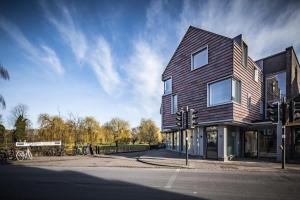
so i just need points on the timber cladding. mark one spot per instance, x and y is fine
(250, 87)
(224, 61)
(191, 85)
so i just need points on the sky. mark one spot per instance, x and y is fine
(105, 58)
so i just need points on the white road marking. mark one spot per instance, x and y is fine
(172, 179)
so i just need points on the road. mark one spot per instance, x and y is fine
(24, 182)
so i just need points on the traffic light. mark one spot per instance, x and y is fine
(272, 112)
(179, 119)
(283, 112)
(296, 110)
(193, 118)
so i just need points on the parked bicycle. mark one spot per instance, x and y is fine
(24, 155)
(7, 154)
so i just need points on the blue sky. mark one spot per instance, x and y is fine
(105, 58)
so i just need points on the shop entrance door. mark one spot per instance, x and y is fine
(251, 144)
(211, 144)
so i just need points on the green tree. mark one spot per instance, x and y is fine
(20, 121)
(4, 75)
(118, 130)
(149, 132)
(20, 128)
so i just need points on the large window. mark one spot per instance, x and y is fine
(200, 58)
(174, 104)
(224, 91)
(168, 86)
(276, 87)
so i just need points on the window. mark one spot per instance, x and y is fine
(174, 104)
(200, 58)
(224, 91)
(261, 107)
(249, 103)
(236, 90)
(245, 54)
(168, 86)
(275, 86)
(255, 74)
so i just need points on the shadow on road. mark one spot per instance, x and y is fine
(20, 182)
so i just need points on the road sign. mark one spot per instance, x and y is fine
(38, 144)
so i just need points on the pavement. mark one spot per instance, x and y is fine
(155, 159)
(166, 158)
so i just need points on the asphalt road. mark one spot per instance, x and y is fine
(21, 182)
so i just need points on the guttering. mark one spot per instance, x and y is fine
(228, 121)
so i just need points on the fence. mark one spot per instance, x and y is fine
(120, 148)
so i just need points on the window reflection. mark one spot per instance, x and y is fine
(276, 86)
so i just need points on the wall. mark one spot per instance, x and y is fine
(191, 85)
(249, 86)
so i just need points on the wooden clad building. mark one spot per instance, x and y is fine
(214, 75)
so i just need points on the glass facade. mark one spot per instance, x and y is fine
(296, 142)
(267, 143)
(275, 86)
(231, 143)
(251, 144)
(212, 142)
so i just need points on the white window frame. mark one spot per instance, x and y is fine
(194, 53)
(231, 100)
(168, 92)
(173, 111)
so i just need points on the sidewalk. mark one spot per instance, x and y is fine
(155, 159)
(165, 158)
(116, 160)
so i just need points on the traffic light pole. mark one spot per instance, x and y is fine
(283, 122)
(186, 136)
(283, 148)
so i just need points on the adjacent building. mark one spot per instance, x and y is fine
(214, 75)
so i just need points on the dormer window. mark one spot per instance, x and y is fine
(245, 54)
(200, 58)
(168, 86)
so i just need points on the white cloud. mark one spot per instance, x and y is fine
(43, 55)
(267, 26)
(51, 58)
(152, 49)
(97, 54)
(100, 59)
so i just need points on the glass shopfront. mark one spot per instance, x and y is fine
(251, 144)
(231, 143)
(211, 142)
(296, 138)
(267, 143)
